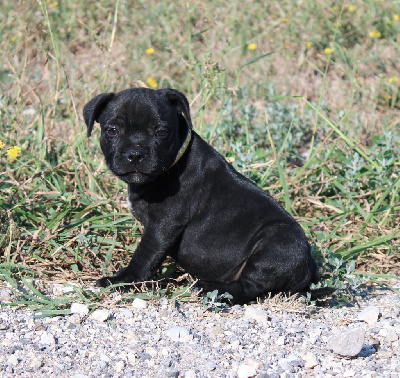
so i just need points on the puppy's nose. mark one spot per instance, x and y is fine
(135, 154)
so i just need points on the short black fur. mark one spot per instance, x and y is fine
(218, 225)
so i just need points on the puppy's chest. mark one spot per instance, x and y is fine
(139, 209)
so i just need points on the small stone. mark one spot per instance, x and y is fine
(131, 357)
(12, 360)
(79, 309)
(280, 340)
(347, 343)
(257, 314)
(131, 336)
(190, 374)
(47, 339)
(310, 360)
(5, 295)
(59, 289)
(290, 363)
(246, 371)
(254, 363)
(119, 366)
(104, 358)
(210, 366)
(139, 304)
(152, 351)
(36, 363)
(171, 372)
(391, 336)
(128, 314)
(100, 315)
(179, 334)
(349, 373)
(369, 315)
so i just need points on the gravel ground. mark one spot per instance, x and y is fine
(161, 339)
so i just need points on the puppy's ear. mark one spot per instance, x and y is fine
(93, 109)
(179, 102)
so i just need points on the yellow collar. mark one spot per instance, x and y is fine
(183, 147)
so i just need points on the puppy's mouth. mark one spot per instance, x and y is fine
(134, 177)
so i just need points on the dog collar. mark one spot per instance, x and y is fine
(183, 147)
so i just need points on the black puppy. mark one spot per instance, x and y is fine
(218, 225)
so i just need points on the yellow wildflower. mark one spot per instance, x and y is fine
(375, 34)
(152, 82)
(1, 144)
(352, 8)
(54, 3)
(13, 152)
(396, 17)
(309, 44)
(284, 19)
(328, 51)
(150, 51)
(252, 46)
(393, 79)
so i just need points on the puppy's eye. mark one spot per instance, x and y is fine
(161, 133)
(112, 131)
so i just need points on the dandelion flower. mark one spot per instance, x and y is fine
(252, 46)
(309, 44)
(150, 51)
(393, 79)
(54, 3)
(375, 34)
(396, 17)
(13, 152)
(352, 8)
(152, 82)
(328, 51)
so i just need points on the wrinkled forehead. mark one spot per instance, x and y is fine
(137, 110)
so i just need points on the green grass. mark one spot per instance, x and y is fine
(319, 130)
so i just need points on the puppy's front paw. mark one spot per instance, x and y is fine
(204, 287)
(119, 277)
(104, 282)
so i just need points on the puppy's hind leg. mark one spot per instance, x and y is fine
(248, 284)
(267, 271)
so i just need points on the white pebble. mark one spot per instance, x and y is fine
(79, 309)
(119, 366)
(257, 314)
(369, 315)
(47, 339)
(100, 315)
(139, 304)
(246, 371)
(179, 334)
(12, 360)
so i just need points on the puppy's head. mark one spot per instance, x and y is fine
(142, 130)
